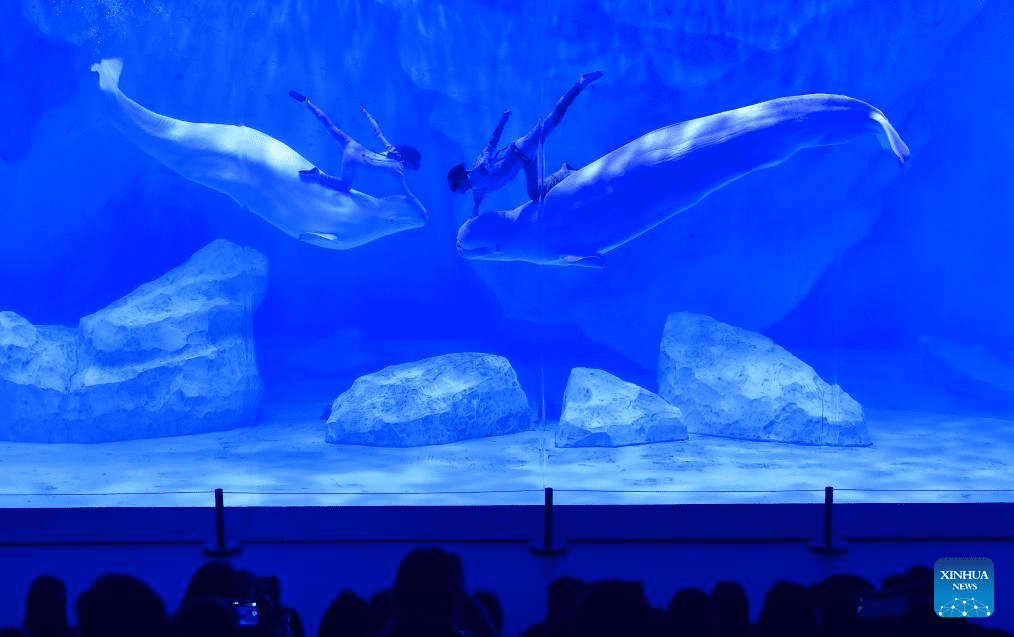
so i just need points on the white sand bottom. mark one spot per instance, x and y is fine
(284, 461)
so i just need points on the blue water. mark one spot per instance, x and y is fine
(892, 282)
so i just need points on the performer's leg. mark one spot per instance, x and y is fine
(340, 135)
(553, 119)
(531, 169)
(526, 145)
(324, 179)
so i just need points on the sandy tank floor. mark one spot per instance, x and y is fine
(284, 461)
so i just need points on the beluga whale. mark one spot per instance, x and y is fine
(259, 172)
(626, 193)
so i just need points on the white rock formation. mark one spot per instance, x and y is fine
(601, 410)
(433, 401)
(175, 356)
(736, 383)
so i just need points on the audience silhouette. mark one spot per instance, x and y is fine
(381, 611)
(788, 610)
(615, 607)
(347, 616)
(731, 610)
(689, 614)
(46, 609)
(429, 599)
(491, 604)
(121, 606)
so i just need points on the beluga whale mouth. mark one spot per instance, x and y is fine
(472, 253)
(477, 253)
(259, 172)
(626, 193)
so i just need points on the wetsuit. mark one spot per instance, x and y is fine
(493, 169)
(355, 154)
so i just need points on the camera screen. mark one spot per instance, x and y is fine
(247, 612)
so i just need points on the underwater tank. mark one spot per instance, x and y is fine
(447, 252)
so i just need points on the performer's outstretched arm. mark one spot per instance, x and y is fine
(477, 204)
(415, 201)
(494, 140)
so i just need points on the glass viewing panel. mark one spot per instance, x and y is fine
(456, 252)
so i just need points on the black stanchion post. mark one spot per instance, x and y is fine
(548, 521)
(220, 518)
(220, 548)
(828, 510)
(549, 547)
(828, 547)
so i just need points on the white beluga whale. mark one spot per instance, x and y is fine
(260, 173)
(629, 191)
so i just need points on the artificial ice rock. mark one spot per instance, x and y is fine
(433, 401)
(740, 384)
(601, 410)
(175, 356)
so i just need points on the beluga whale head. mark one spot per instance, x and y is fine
(341, 225)
(517, 235)
(496, 236)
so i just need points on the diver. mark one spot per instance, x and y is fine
(493, 169)
(394, 159)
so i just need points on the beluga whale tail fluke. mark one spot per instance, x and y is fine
(889, 138)
(258, 172)
(629, 191)
(109, 71)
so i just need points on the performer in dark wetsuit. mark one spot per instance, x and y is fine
(493, 169)
(394, 160)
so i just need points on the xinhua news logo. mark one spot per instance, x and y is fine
(963, 587)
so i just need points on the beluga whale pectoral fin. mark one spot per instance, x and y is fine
(591, 261)
(260, 173)
(317, 237)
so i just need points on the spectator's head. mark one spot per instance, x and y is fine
(213, 579)
(491, 604)
(46, 608)
(836, 600)
(731, 610)
(563, 596)
(689, 613)
(614, 607)
(788, 610)
(347, 616)
(916, 584)
(428, 586)
(243, 584)
(206, 617)
(381, 610)
(121, 606)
